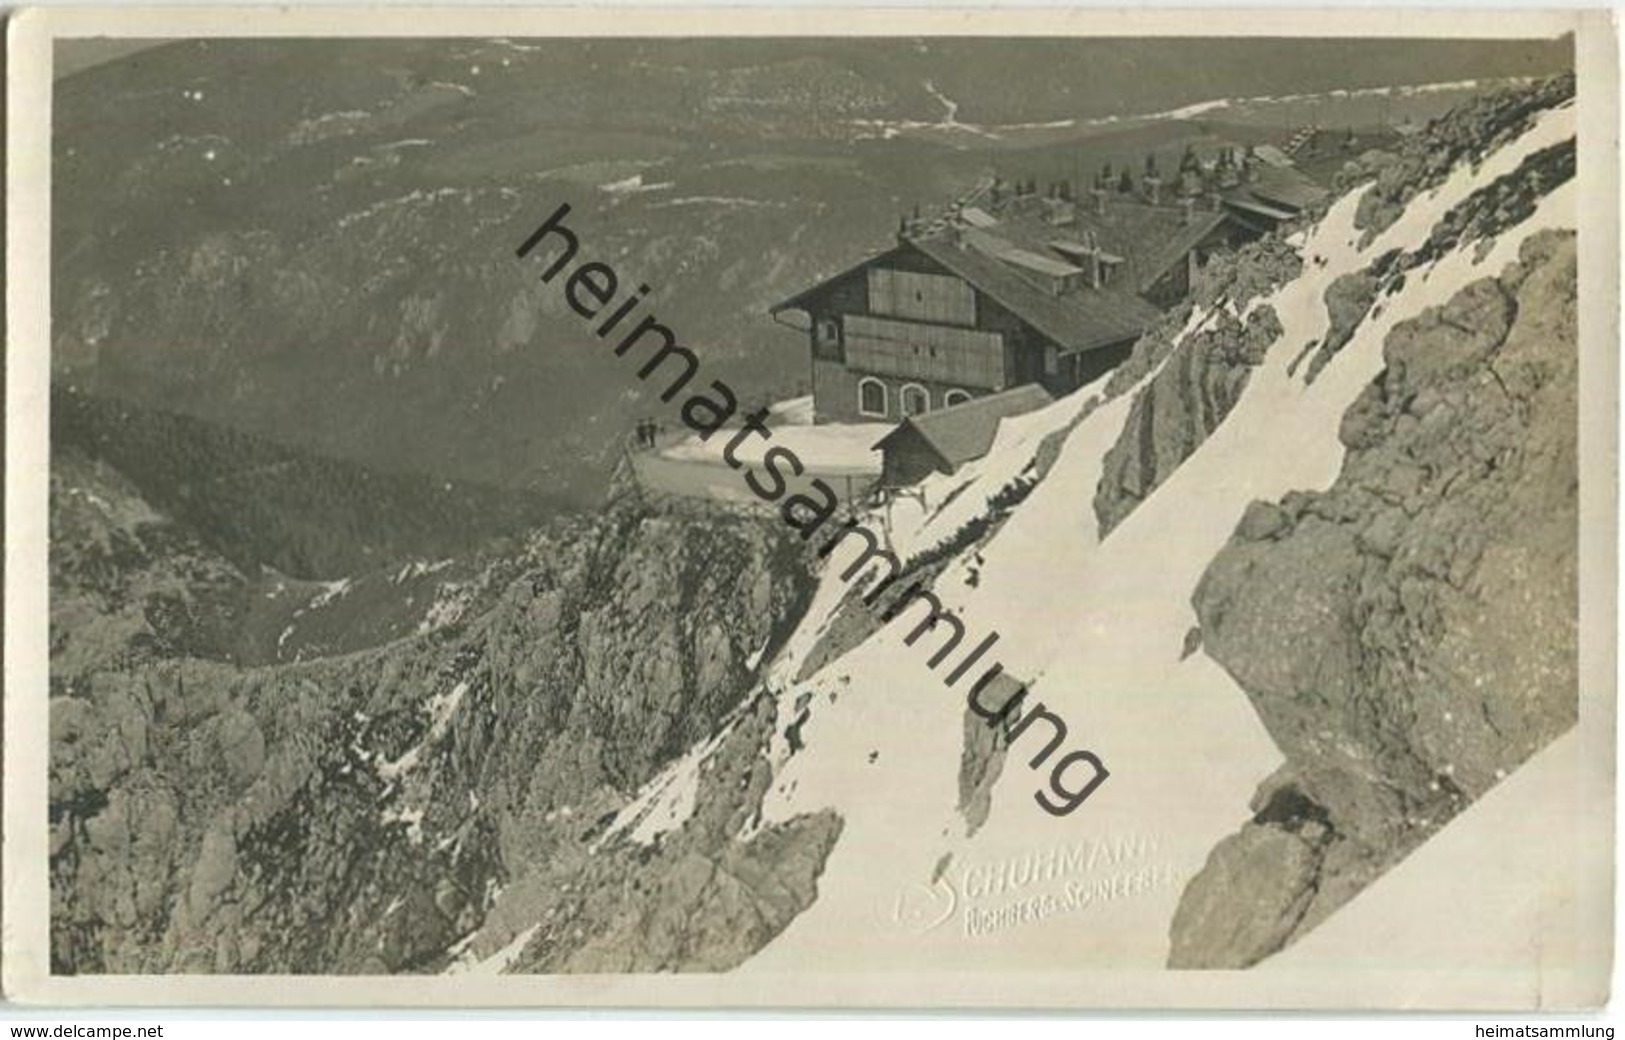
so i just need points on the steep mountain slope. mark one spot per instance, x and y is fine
(1101, 626)
(1370, 623)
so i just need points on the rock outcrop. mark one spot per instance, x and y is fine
(1467, 134)
(1226, 280)
(700, 898)
(127, 585)
(1187, 399)
(360, 813)
(1192, 385)
(1348, 301)
(1368, 623)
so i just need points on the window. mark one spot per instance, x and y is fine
(872, 397)
(954, 397)
(828, 331)
(915, 400)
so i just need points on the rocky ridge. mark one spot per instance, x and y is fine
(210, 817)
(1367, 622)
(1190, 395)
(1467, 134)
(1196, 387)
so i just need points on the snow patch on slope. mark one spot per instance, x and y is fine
(942, 504)
(667, 801)
(440, 708)
(498, 962)
(1097, 630)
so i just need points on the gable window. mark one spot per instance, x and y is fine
(872, 397)
(915, 400)
(954, 397)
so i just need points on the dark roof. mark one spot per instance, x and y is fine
(1251, 221)
(1085, 319)
(1248, 204)
(795, 302)
(1283, 186)
(1155, 262)
(962, 432)
(1150, 239)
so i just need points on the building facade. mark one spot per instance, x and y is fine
(1045, 293)
(933, 323)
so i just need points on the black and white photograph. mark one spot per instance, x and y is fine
(825, 513)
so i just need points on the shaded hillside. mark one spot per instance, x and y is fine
(259, 504)
(761, 83)
(330, 263)
(131, 585)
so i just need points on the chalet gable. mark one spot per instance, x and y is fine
(952, 278)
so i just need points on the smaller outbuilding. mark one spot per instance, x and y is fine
(1271, 196)
(943, 440)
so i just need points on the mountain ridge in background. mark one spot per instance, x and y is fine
(329, 264)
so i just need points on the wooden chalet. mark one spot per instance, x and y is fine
(943, 440)
(1270, 196)
(1045, 291)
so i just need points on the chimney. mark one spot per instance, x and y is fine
(1153, 188)
(1213, 201)
(1099, 195)
(1091, 250)
(1187, 207)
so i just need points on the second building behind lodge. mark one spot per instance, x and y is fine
(1010, 288)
